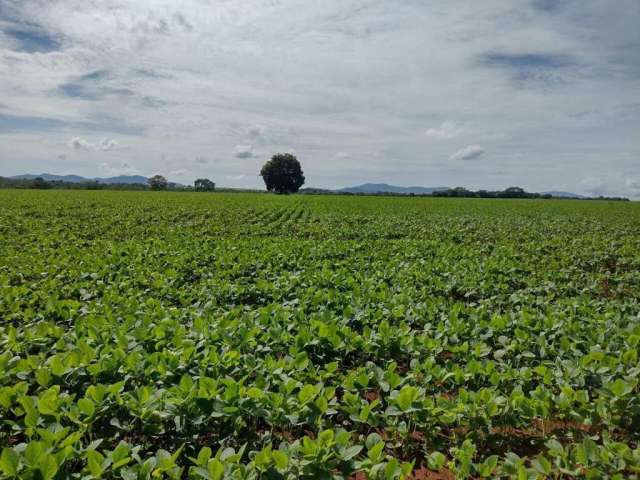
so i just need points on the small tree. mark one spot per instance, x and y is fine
(204, 185)
(283, 174)
(158, 182)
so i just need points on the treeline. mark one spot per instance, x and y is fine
(458, 192)
(511, 192)
(42, 184)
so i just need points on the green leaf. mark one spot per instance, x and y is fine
(204, 456)
(86, 406)
(164, 461)
(9, 462)
(262, 459)
(372, 439)
(351, 452)
(48, 466)
(406, 397)
(281, 459)
(487, 467)
(120, 452)
(542, 465)
(33, 453)
(43, 377)
(375, 452)
(215, 468)
(254, 393)
(301, 361)
(326, 437)
(620, 388)
(436, 460)
(48, 401)
(306, 393)
(94, 462)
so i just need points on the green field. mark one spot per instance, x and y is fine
(183, 335)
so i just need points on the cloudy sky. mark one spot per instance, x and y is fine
(544, 94)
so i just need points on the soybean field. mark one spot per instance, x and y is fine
(149, 335)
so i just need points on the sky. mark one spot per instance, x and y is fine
(542, 94)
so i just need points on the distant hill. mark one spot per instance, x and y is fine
(385, 188)
(119, 180)
(558, 194)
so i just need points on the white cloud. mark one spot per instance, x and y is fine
(77, 143)
(470, 152)
(352, 81)
(447, 130)
(256, 131)
(124, 168)
(180, 172)
(243, 151)
(610, 184)
(633, 184)
(108, 144)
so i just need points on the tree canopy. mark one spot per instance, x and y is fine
(204, 185)
(158, 182)
(283, 174)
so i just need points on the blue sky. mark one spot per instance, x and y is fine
(544, 94)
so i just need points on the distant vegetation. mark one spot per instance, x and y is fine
(204, 185)
(158, 182)
(41, 184)
(511, 192)
(283, 174)
(460, 192)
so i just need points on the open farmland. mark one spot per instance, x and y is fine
(181, 335)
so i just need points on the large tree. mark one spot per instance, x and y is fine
(282, 174)
(204, 185)
(158, 182)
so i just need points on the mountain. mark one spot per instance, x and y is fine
(557, 194)
(49, 177)
(121, 179)
(385, 188)
(124, 179)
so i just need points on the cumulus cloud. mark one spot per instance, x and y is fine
(445, 131)
(108, 144)
(610, 184)
(470, 152)
(633, 184)
(361, 90)
(256, 131)
(124, 168)
(243, 151)
(79, 143)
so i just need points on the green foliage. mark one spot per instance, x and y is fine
(158, 182)
(204, 185)
(282, 174)
(147, 335)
